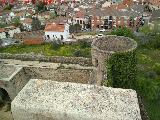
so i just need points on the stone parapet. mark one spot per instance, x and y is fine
(51, 100)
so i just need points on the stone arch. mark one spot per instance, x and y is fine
(4, 95)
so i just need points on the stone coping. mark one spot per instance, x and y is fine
(51, 100)
(8, 71)
(112, 44)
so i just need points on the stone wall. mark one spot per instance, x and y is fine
(54, 59)
(62, 75)
(10, 72)
(20, 76)
(18, 81)
(26, 35)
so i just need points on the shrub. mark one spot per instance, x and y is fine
(78, 53)
(151, 75)
(124, 31)
(121, 69)
(84, 44)
(56, 44)
(156, 68)
(147, 88)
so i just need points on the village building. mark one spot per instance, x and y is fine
(154, 4)
(80, 18)
(27, 24)
(8, 32)
(11, 30)
(55, 31)
(2, 34)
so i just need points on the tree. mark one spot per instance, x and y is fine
(74, 28)
(16, 22)
(36, 24)
(53, 15)
(40, 6)
(8, 7)
(124, 31)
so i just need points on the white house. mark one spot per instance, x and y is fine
(55, 31)
(12, 30)
(27, 24)
(2, 34)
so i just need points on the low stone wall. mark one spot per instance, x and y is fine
(26, 35)
(54, 59)
(61, 75)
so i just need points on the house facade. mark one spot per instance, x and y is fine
(2, 34)
(55, 31)
(27, 24)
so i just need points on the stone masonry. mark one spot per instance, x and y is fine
(51, 100)
(103, 48)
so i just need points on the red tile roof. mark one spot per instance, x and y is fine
(54, 27)
(2, 30)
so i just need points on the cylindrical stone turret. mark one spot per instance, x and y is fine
(104, 47)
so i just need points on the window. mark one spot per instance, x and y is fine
(80, 21)
(96, 62)
(48, 36)
(61, 37)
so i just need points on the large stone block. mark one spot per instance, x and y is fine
(51, 100)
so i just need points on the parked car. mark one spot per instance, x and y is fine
(100, 35)
(102, 30)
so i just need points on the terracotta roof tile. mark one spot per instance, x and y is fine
(55, 27)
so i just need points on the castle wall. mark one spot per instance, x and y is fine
(60, 74)
(54, 59)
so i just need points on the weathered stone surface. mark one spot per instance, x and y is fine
(20, 72)
(51, 100)
(42, 58)
(6, 71)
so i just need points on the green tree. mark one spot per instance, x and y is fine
(2, 25)
(16, 22)
(124, 31)
(8, 7)
(74, 28)
(36, 24)
(53, 15)
(40, 6)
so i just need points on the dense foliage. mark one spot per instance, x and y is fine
(121, 70)
(16, 22)
(36, 24)
(40, 6)
(8, 7)
(74, 28)
(124, 31)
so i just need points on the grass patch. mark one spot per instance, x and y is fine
(47, 50)
(149, 78)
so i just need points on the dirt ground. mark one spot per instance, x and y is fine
(5, 115)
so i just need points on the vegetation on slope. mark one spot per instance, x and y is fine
(80, 50)
(148, 70)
